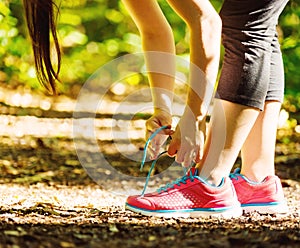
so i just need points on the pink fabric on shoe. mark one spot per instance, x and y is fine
(189, 196)
(265, 197)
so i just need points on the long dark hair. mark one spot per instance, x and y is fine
(40, 16)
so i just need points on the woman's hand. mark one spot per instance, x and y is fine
(188, 140)
(158, 119)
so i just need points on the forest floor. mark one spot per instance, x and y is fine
(48, 199)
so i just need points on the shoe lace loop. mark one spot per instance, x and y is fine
(235, 174)
(145, 157)
(150, 171)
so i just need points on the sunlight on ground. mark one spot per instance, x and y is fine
(65, 197)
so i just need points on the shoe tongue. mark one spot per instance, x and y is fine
(192, 171)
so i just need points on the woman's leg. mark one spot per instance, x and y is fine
(229, 128)
(258, 151)
(244, 86)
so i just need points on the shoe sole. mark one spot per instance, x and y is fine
(269, 208)
(226, 213)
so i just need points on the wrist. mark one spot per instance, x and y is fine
(162, 100)
(158, 110)
(162, 109)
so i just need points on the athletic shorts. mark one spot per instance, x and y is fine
(252, 70)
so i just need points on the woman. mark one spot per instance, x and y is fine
(245, 115)
(158, 44)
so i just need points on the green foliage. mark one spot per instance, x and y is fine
(94, 32)
(15, 60)
(289, 24)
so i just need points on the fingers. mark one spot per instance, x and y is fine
(153, 152)
(152, 125)
(183, 152)
(173, 148)
(155, 123)
(158, 120)
(186, 151)
(156, 144)
(198, 154)
(187, 145)
(185, 157)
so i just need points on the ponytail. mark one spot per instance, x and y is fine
(40, 17)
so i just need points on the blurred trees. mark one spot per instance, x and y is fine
(94, 32)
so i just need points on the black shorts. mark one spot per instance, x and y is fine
(252, 70)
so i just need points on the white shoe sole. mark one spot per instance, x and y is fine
(226, 213)
(273, 208)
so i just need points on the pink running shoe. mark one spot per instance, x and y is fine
(189, 196)
(266, 197)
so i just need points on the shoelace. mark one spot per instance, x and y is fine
(235, 174)
(168, 185)
(177, 182)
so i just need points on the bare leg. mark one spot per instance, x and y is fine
(230, 126)
(259, 149)
(239, 17)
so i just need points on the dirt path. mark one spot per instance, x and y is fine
(44, 215)
(48, 200)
